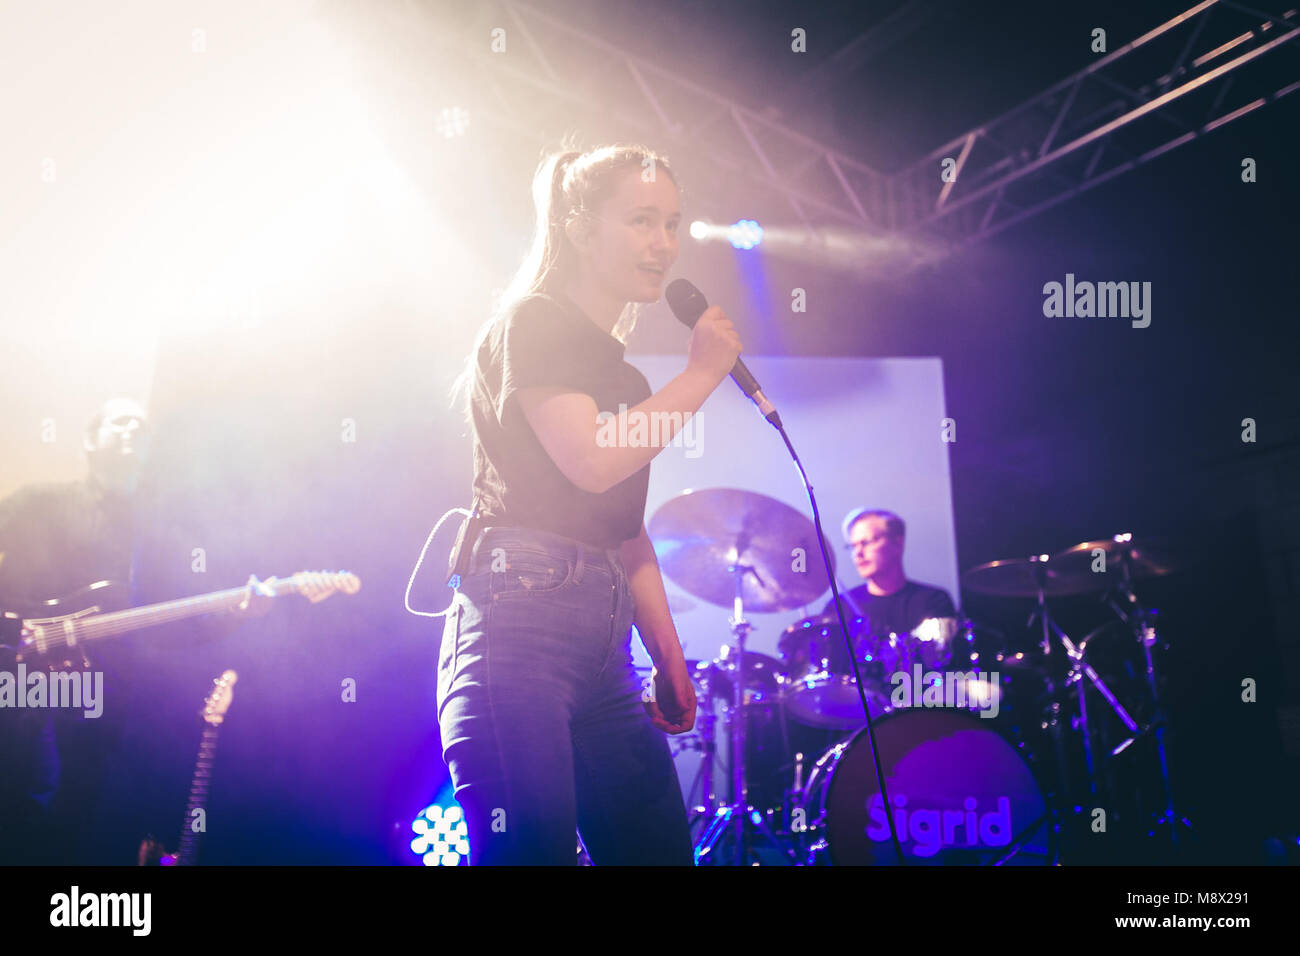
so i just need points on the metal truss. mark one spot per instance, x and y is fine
(1160, 91)
(1068, 139)
(552, 69)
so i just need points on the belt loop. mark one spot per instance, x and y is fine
(579, 563)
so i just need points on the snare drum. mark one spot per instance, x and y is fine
(960, 794)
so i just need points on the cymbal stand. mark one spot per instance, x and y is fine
(738, 817)
(1142, 622)
(1078, 669)
(705, 741)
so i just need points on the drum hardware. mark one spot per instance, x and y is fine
(703, 741)
(1089, 568)
(767, 731)
(739, 818)
(1018, 842)
(1146, 558)
(733, 547)
(1145, 561)
(1039, 577)
(1078, 669)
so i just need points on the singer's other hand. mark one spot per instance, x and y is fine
(715, 346)
(673, 709)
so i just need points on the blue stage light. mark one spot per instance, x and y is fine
(441, 835)
(745, 234)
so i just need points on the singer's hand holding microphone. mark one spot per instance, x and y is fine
(715, 346)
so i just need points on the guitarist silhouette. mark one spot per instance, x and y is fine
(64, 547)
(54, 540)
(79, 540)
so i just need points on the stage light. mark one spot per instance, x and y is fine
(699, 229)
(441, 835)
(745, 234)
(453, 121)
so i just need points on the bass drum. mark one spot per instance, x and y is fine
(961, 795)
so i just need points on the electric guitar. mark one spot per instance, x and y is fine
(214, 712)
(59, 639)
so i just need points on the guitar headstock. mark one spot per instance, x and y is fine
(218, 702)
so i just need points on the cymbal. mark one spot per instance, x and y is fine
(677, 604)
(1030, 660)
(1148, 558)
(700, 536)
(1022, 577)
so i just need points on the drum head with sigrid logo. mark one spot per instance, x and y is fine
(960, 793)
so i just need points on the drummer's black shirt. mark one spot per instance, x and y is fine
(895, 613)
(546, 340)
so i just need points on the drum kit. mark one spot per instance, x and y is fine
(981, 766)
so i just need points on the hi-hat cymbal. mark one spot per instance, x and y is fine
(701, 536)
(1024, 577)
(1147, 558)
(1076, 570)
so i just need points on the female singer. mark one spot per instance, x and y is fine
(543, 724)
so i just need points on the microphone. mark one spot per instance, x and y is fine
(688, 304)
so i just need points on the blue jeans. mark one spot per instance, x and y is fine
(540, 710)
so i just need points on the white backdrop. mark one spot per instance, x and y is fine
(869, 434)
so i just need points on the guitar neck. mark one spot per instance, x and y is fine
(72, 630)
(188, 848)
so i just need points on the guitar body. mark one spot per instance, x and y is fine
(103, 595)
(96, 598)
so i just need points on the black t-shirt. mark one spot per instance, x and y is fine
(57, 538)
(896, 613)
(546, 340)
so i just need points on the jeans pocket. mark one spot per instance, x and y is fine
(524, 573)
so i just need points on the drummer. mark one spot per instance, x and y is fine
(888, 602)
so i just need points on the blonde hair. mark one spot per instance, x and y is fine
(569, 186)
